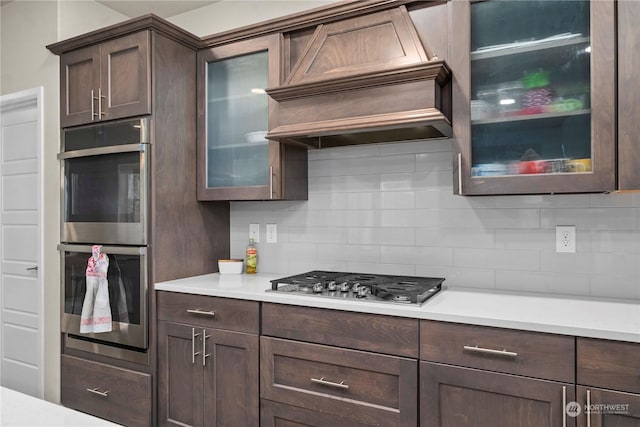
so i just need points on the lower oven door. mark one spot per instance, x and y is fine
(128, 293)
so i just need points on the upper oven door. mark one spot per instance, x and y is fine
(105, 176)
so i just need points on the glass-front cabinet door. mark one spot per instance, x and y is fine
(235, 160)
(534, 96)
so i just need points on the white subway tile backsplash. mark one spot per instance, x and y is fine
(398, 200)
(390, 208)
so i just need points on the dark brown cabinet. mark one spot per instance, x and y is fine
(465, 397)
(628, 95)
(235, 160)
(486, 377)
(106, 81)
(608, 377)
(534, 102)
(207, 376)
(117, 394)
(308, 377)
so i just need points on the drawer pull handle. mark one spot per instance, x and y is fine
(98, 392)
(502, 352)
(322, 381)
(203, 312)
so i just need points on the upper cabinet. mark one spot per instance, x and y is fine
(106, 81)
(534, 96)
(235, 160)
(628, 95)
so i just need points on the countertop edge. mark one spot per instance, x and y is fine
(616, 320)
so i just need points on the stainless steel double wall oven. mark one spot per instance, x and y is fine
(105, 201)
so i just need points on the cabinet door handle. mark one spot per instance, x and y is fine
(270, 182)
(459, 174)
(204, 347)
(98, 392)
(93, 108)
(193, 346)
(203, 312)
(483, 350)
(564, 406)
(32, 268)
(322, 381)
(100, 98)
(588, 408)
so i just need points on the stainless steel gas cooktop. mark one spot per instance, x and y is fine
(360, 286)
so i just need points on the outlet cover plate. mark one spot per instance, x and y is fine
(272, 233)
(566, 238)
(254, 232)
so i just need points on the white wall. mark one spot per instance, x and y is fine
(390, 208)
(229, 14)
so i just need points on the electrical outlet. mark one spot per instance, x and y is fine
(254, 232)
(272, 233)
(566, 238)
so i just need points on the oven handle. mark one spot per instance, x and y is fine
(116, 250)
(113, 149)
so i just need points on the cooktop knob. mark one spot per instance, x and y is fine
(344, 287)
(363, 291)
(318, 288)
(332, 286)
(356, 287)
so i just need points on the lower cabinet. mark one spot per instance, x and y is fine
(608, 408)
(273, 414)
(487, 377)
(453, 396)
(116, 394)
(207, 377)
(608, 376)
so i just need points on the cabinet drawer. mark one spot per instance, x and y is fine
(609, 364)
(209, 312)
(119, 395)
(368, 387)
(274, 414)
(362, 331)
(526, 353)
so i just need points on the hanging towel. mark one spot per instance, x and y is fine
(96, 310)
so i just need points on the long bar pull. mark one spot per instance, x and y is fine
(193, 346)
(98, 392)
(588, 408)
(459, 174)
(202, 312)
(93, 108)
(564, 406)
(322, 381)
(100, 98)
(204, 347)
(502, 352)
(271, 182)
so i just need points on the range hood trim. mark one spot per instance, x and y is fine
(436, 70)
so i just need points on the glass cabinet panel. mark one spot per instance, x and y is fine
(530, 88)
(237, 151)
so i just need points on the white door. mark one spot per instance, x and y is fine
(21, 287)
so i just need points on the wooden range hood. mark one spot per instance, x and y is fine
(364, 80)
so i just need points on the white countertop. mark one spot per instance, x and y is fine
(615, 320)
(18, 409)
